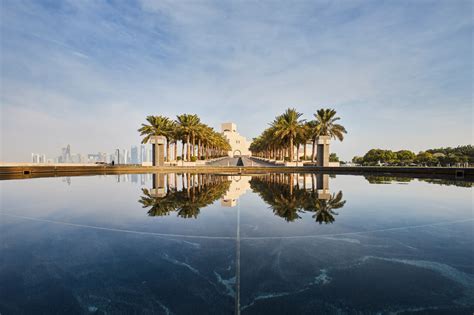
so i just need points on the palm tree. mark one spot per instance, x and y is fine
(312, 128)
(305, 137)
(188, 125)
(171, 138)
(206, 137)
(326, 125)
(175, 137)
(288, 127)
(157, 126)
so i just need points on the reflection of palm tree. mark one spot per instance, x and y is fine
(324, 208)
(286, 206)
(159, 206)
(186, 202)
(287, 201)
(188, 210)
(280, 196)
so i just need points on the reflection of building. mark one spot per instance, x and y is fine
(238, 186)
(238, 143)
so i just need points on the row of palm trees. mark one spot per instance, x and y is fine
(198, 140)
(288, 132)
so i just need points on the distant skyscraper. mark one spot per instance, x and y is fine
(126, 156)
(134, 155)
(142, 153)
(65, 155)
(38, 158)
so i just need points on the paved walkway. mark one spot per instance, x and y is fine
(225, 162)
(245, 160)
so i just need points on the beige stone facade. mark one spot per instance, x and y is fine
(240, 145)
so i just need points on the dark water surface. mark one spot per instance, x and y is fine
(208, 244)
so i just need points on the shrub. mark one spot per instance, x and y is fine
(178, 158)
(193, 159)
(333, 157)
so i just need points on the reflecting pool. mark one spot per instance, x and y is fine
(218, 244)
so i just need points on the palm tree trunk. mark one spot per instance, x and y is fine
(182, 150)
(188, 152)
(199, 149)
(175, 150)
(304, 150)
(188, 183)
(291, 149)
(168, 151)
(314, 150)
(290, 180)
(194, 145)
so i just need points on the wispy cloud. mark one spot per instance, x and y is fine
(399, 73)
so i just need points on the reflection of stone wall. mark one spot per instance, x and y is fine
(238, 186)
(237, 142)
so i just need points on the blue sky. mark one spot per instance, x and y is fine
(86, 73)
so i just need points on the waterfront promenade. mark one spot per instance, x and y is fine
(224, 166)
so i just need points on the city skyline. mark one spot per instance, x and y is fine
(88, 73)
(135, 154)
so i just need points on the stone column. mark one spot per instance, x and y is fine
(322, 154)
(158, 150)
